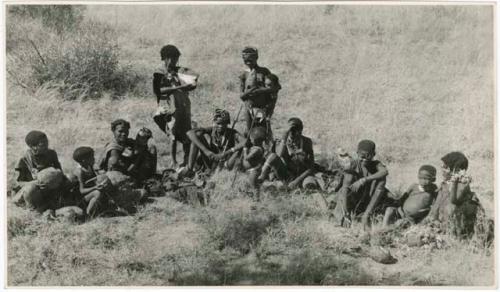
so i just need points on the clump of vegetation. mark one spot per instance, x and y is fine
(240, 227)
(53, 45)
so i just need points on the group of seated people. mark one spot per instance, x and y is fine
(42, 185)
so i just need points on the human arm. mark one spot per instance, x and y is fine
(81, 184)
(240, 143)
(23, 174)
(406, 194)
(297, 181)
(114, 161)
(309, 161)
(382, 172)
(459, 189)
(195, 134)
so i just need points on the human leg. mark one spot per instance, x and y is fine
(375, 196)
(343, 207)
(274, 164)
(94, 201)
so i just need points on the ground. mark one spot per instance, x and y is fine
(418, 80)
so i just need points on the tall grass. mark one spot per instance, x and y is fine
(418, 80)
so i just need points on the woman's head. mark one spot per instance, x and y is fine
(37, 141)
(120, 130)
(453, 162)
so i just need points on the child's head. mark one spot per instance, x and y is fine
(84, 156)
(257, 136)
(120, 130)
(453, 162)
(143, 136)
(250, 56)
(366, 150)
(37, 141)
(296, 127)
(221, 120)
(170, 55)
(426, 175)
(271, 80)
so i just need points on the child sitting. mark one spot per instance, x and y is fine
(363, 186)
(91, 191)
(416, 202)
(253, 157)
(144, 157)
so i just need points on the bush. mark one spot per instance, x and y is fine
(81, 61)
(239, 227)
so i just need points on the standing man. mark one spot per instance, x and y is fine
(259, 92)
(172, 81)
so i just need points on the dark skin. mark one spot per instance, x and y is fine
(425, 180)
(121, 135)
(458, 190)
(251, 63)
(381, 171)
(171, 65)
(220, 129)
(295, 133)
(88, 164)
(141, 148)
(38, 149)
(350, 186)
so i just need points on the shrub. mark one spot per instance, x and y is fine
(81, 62)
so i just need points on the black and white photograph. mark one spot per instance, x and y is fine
(250, 144)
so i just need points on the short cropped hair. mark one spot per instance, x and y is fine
(119, 122)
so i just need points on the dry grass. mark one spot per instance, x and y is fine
(418, 80)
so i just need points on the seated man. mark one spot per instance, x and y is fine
(214, 144)
(293, 161)
(363, 186)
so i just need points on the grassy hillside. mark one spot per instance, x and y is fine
(418, 80)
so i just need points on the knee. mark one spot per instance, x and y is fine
(380, 184)
(389, 211)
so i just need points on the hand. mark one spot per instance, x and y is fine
(357, 184)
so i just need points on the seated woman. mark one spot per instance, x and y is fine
(456, 207)
(40, 184)
(118, 153)
(293, 161)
